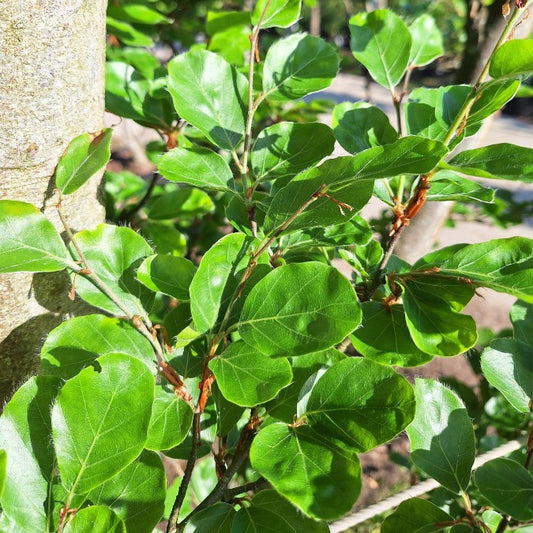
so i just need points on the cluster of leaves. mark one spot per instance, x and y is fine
(247, 363)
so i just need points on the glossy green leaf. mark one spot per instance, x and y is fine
(384, 337)
(28, 241)
(360, 404)
(167, 274)
(321, 310)
(114, 253)
(185, 202)
(94, 411)
(442, 435)
(84, 157)
(246, 377)
(79, 341)
(426, 41)
(276, 13)
(522, 319)
(137, 13)
(360, 126)
(513, 59)
(25, 431)
(381, 42)
(447, 185)
(196, 166)
(216, 519)
(298, 65)
(209, 94)
(492, 519)
(95, 519)
(218, 277)
(305, 467)
(136, 494)
(286, 148)
(497, 161)
(508, 367)
(271, 513)
(3, 471)
(432, 315)
(508, 486)
(416, 516)
(170, 422)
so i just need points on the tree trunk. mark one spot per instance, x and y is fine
(51, 90)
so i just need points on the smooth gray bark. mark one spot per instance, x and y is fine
(51, 90)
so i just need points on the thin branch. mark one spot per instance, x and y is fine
(253, 486)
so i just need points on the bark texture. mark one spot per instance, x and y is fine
(51, 90)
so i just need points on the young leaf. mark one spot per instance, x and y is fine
(84, 157)
(114, 253)
(79, 341)
(382, 43)
(442, 435)
(448, 185)
(25, 431)
(209, 94)
(298, 65)
(95, 519)
(360, 404)
(321, 310)
(167, 274)
(271, 513)
(286, 148)
(416, 516)
(385, 338)
(218, 518)
(89, 419)
(426, 41)
(305, 467)
(247, 377)
(170, 422)
(514, 59)
(136, 494)
(196, 166)
(276, 13)
(28, 241)
(508, 486)
(508, 367)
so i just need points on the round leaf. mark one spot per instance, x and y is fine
(360, 404)
(218, 519)
(416, 516)
(95, 411)
(95, 519)
(322, 310)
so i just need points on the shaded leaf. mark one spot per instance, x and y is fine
(416, 516)
(186, 202)
(216, 519)
(522, 320)
(95, 519)
(447, 185)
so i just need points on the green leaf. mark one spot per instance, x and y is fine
(170, 422)
(384, 337)
(271, 513)
(186, 202)
(216, 519)
(167, 274)
(247, 377)
(3, 471)
(522, 320)
(28, 241)
(298, 65)
(426, 41)
(95, 519)
(218, 277)
(137, 13)
(165, 238)
(508, 486)
(497, 161)
(136, 494)
(79, 341)
(416, 516)
(305, 467)
(360, 404)
(442, 435)
(286, 148)
(220, 22)
(447, 185)
(432, 315)
(321, 310)
(513, 59)
(114, 253)
(25, 431)
(127, 34)
(196, 166)
(508, 367)
(381, 42)
(276, 13)
(209, 94)
(84, 157)
(360, 126)
(94, 411)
